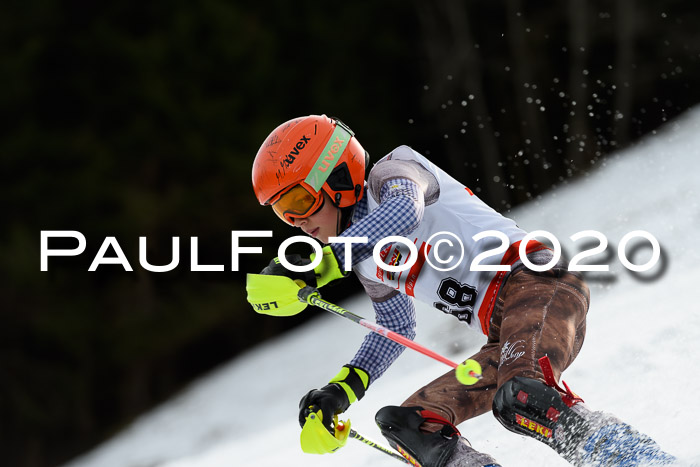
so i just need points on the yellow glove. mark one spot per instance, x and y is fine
(274, 295)
(329, 269)
(274, 291)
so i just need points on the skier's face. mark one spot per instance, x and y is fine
(323, 223)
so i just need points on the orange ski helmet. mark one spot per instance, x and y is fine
(304, 157)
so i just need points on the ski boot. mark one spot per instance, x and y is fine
(558, 418)
(442, 448)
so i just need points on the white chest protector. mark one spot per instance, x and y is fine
(452, 214)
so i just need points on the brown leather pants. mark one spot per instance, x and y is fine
(537, 314)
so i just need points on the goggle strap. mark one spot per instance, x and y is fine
(329, 157)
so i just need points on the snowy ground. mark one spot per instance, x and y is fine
(641, 359)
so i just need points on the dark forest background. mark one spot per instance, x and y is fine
(131, 119)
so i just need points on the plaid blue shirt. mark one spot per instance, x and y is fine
(377, 352)
(399, 212)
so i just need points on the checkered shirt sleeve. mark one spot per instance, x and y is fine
(377, 352)
(399, 212)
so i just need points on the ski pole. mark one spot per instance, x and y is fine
(467, 373)
(354, 434)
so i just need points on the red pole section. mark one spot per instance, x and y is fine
(312, 297)
(398, 338)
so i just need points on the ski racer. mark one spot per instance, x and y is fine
(311, 171)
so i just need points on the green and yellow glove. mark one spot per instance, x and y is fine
(319, 408)
(334, 398)
(353, 380)
(329, 269)
(274, 291)
(275, 268)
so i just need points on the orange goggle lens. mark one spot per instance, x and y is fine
(296, 203)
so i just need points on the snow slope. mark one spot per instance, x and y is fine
(641, 359)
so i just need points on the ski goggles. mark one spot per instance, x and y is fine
(297, 203)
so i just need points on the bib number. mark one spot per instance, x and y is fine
(458, 299)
